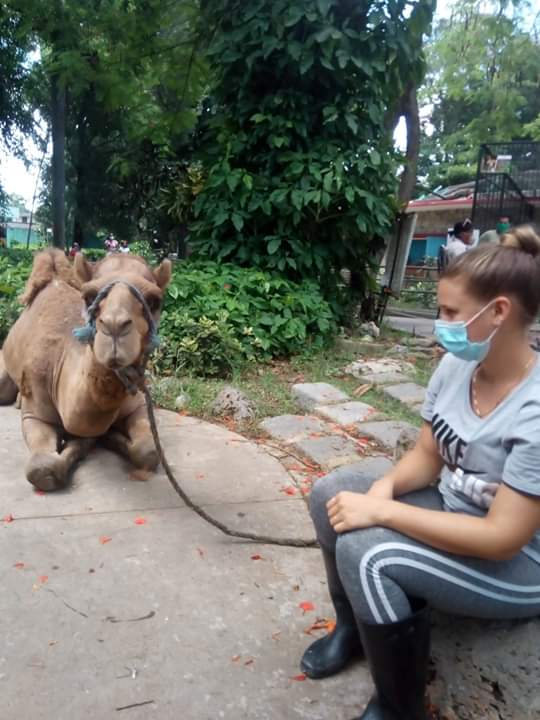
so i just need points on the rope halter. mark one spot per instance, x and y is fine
(132, 376)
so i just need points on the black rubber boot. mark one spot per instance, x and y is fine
(330, 654)
(398, 657)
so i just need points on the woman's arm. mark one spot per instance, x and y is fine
(417, 469)
(510, 523)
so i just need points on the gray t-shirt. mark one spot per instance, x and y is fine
(482, 453)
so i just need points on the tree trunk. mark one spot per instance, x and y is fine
(409, 110)
(58, 123)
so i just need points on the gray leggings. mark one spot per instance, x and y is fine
(380, 568)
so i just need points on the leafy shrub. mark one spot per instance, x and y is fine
(15, 267)
(421, 293)
(93, 254)
(201, 346)
(145, 250)
(217, 316)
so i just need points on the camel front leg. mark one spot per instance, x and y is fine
(132, 438)
(48, 469)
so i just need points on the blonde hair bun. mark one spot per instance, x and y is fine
(523, 237)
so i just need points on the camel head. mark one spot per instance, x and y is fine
(123, 298)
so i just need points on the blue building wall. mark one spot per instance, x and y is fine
(425, 247)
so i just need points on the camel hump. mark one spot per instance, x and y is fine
(49, 265)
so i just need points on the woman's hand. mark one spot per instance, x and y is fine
(353, 511)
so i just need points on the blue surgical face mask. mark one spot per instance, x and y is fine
(453, 337)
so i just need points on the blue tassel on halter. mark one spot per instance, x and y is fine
(154, 342)
(86, 333)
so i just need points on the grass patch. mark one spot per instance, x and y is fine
(269, 385)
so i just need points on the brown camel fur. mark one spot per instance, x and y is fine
(70, 394)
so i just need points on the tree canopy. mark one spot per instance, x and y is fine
(482, 85)
(297, 133)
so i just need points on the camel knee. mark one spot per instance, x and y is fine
(8, 389)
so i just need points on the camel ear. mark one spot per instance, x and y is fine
(84, 270)
(163, 274)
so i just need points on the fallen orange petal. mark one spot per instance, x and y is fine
(306, 606)
(235, 658)
(289, 491)
(43, 579)
(8, 518)
(256, 557)
(19, 565)
(140, 521)
(105, 539)
(299, 678)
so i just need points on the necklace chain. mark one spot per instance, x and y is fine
(507, 390)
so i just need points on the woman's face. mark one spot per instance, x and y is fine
(456, 303)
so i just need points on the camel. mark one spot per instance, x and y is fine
(74, 393)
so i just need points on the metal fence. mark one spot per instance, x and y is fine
(508, 175)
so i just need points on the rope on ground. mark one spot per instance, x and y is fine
(264, 539)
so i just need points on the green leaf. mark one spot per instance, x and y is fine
(349, 194)
(238, 221)
(343, 58)
(232, 181)
(248, 181)
(362, 65)
(258, 117)
(297, 199)
(351, 122)
(327, 181)
(220, 217)
(273, 245)
(307, 62)
(375, 158)
(323, 34)
(295, 15)
(324, 6)
(325, 62)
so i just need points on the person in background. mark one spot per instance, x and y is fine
(124, 247)
(461, 241)
(494, 236)
(111, 244)
(75, 248)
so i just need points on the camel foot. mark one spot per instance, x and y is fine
(46, 473)
(144, 455)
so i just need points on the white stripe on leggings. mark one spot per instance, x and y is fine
(383, 547)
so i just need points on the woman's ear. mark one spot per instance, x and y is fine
(502, 307)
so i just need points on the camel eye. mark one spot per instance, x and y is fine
(154, 304)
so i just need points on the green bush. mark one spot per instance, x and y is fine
(15, 267)
(93, 254)
(202, 347)
(216, 317)
(145, 250)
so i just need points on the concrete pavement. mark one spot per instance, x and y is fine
(118, 602)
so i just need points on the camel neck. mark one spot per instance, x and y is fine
(104, 387)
